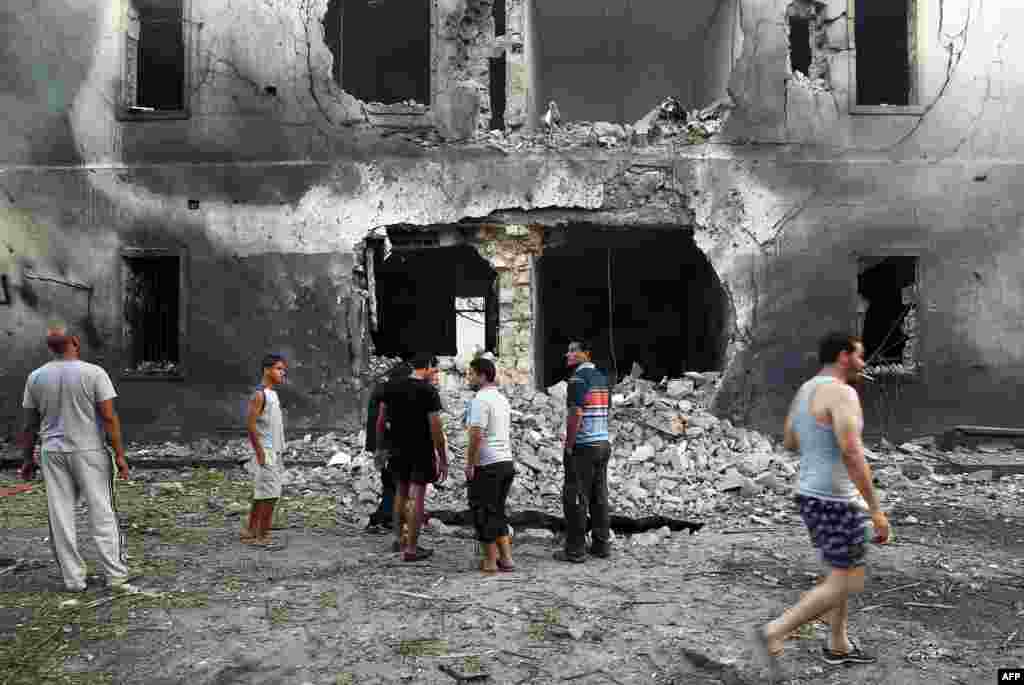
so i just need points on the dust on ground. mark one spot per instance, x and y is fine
(943, 602)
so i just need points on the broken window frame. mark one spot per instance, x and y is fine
(913, 47)
(397, 115)
(128, 364)
(127, 109)
(877, 368)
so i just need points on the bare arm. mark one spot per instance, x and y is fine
(29, 434)
(476, 439)
(112, 424)
(848, 421)
(255, 409)
(437, 434)
(440, 445)
(790, 440)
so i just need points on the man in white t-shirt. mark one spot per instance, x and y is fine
(490, 469)
(68, 405)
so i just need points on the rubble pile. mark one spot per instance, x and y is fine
(667, 123)
(670, 455)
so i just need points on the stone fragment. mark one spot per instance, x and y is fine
(915, 470)
(982, 476)
(680, 387)
(698, 378)
(910, 448)
(340, 458)
(642, 453)
(648, 539)
(732, 480)
(526, 456)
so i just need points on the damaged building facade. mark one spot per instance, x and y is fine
(718, 183)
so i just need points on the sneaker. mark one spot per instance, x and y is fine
(599, 551)
(562, 555)
(856, 655)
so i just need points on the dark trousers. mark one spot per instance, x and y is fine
(586, 492)
(488, 492)
(382, 517)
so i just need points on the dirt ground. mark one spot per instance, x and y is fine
(944, 603)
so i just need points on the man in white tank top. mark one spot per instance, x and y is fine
(825, 424)
(266, 433)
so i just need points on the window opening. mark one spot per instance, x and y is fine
(888, 288)
(385, 49)
(800, 45)
(498, 101)
(499, 18)
(154, 79)
(152, 314)
(883, 31)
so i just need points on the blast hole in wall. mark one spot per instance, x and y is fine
(889, 285)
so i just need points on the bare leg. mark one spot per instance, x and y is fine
(824, 598)
(840, 639)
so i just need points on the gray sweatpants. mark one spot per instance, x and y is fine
(89, 474)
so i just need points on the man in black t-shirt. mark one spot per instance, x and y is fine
(382, 519)
(412, 407)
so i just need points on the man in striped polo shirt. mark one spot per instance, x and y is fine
(586, 458)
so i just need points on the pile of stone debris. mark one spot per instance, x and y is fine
(667, 123)
(670, 455)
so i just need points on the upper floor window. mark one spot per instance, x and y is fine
(886, 55)
(154, 80)
(381, 49)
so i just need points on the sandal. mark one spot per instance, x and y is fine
(856, 655)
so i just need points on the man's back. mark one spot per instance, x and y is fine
(823, 473)
(588, 390)
(66, 394)
(409, 403)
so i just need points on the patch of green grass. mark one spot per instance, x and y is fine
(328, 600)
(423, 647)
(25, 509)
(539, 630)
(232, 585)
(345, 679)
(278, 615)
(471, 665)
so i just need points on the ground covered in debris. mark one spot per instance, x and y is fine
(943, 603)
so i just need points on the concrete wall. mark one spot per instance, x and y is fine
(287, 186)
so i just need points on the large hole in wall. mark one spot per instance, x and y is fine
(381, 48)
(611, 60)
(888, 286)
(662, 306)
(441, 300)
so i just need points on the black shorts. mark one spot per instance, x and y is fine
(412, 466)
(838, 530)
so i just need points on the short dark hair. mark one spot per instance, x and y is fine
(59, 343)
(834, 344)
(424, 360)
(271, 359)
(484, 367)
(583, 344)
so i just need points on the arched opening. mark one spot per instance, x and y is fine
(648, 296)
(441, 300)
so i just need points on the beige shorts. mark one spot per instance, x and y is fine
(267, 480)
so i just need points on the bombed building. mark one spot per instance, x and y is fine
(698, 186)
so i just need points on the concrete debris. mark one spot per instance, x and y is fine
(982, 476)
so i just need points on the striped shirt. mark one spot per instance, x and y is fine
(588, 390)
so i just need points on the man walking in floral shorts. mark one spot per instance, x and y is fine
(825, 424)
